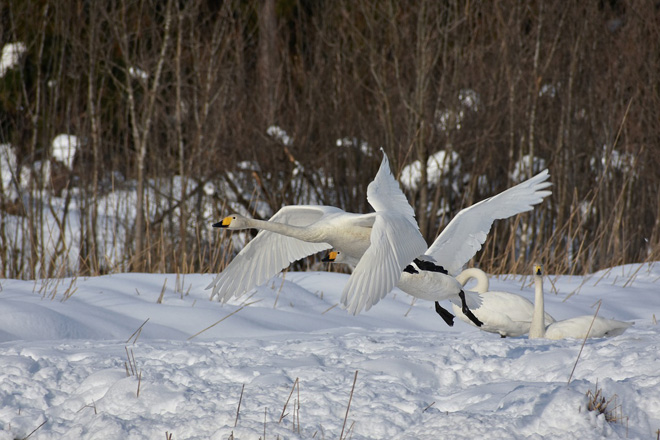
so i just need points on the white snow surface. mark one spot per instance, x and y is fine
(10, 57)
(64, 148)
(64, 343)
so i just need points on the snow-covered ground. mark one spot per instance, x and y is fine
(66, 343)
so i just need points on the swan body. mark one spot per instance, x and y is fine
(577, 327)
(454, 247)
(388, 239)
(504, 313)
(422, 279)
(420, 283)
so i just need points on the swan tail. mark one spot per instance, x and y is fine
(473, 300)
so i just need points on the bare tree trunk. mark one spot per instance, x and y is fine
(268, 59)
(88, 249)
(183, 213)
(35, 210)
(140, 130)
(534, 92)
(426, 57)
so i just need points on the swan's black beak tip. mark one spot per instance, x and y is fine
(326, 259)
(219, 225)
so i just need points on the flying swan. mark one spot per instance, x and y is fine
(432, 275)
(388, 240)
(430, 284)
(504, 313)
(577, 327)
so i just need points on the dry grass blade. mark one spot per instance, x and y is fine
(277, 297)
(348, 407)
(238, 410)
(68, 293)
(329, 308)
(412, 304)
(583, 342)
(298, 408)
(131, 363)
(219, 321)
(596, 401)
(162, 293)
(137, 333)
(35, 430)
(89, 405)
(287, 400)
(632, 277)
(139, 383)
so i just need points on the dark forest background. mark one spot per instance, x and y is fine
(171, 98)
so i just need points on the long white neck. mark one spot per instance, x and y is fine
(537, 327)
(304, 234)
(478, 274)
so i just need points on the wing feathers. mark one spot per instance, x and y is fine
(467, 231)
(261, 259)
(394, 244)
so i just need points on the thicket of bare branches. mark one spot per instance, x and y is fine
(173, 101)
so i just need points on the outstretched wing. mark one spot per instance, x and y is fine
(395, 241)
(465, 234)
(394, 244)
(385, 195)
(268, 253)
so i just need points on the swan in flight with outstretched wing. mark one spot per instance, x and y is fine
(504, 313)
(387, 240)
(578, 327)
(432, 276)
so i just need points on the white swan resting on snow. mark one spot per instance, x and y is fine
(504, 313)
(431, 276)
(388, 239)
(569, 328)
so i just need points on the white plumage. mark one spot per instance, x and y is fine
(467, 231)
(577, 327)
(504, 313)
(454, 247)
(388, 239)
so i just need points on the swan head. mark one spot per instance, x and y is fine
(538, 269)
(335, 256)
(231, 222)
(331, 257)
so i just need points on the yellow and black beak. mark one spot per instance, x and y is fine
(538, 269)
(330, 257)
(223, 224)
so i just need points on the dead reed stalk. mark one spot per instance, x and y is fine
(348, 407)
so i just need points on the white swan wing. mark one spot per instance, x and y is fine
(578, 326)
(464, 235)
(394, 244)
(384, 194)
(268, 253)
(604, 327)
